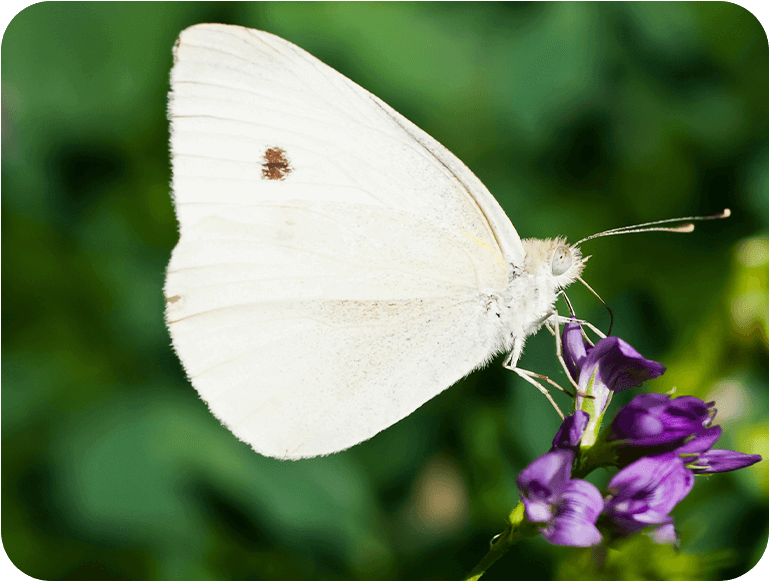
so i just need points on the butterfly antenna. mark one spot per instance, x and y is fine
(657, 226)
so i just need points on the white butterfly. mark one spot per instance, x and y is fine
(336, 267)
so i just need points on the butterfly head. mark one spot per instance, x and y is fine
(554, 259)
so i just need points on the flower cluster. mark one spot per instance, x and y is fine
(659, 443)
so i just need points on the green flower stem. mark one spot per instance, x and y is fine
(501, 543)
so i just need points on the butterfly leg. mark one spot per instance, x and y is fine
(510, 364)
(554, 321)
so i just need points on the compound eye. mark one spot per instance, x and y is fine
(561, 261)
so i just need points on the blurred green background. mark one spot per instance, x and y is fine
(578, 117)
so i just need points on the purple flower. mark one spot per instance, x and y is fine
(680, 425)
(612, 363)
(700, 443)
(618, 365)
(655, 419)
(541, 482)
(566, 508)
(571, 431)
(575, 514)
(702, 459)
(574, 348)
(643, 493)
(720, 461)
(658, 442)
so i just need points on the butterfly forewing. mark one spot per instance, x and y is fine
(333, 258)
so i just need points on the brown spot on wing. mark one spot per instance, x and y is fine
(174, 299)
(275, 165)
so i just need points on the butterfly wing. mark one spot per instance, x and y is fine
(333, 259)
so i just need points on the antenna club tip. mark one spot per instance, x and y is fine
(726, 213)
